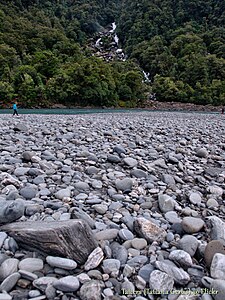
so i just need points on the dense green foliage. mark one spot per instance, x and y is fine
(44, 57)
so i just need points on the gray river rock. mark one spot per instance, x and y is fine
(102, 205)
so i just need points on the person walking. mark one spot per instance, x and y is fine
(15, 110)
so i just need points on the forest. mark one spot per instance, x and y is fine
(45, 58)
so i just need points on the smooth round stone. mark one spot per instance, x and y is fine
(202, 152)
(212, 203)
(10, 282)
(100, 208)
(195, 198)
(67, 284)
(130, 162)
(192, 225)
(96, 184)
(21, 171)
(108, 234)
(34, 293)
(139, 243)
(31, 264)
(60, 262)
(81, 186)
(169, 237)
(189, 244)
(213, 247)
(124, 184)
(138, 173)
(8, 267)
(119, 149)
(113, 158)
(28, 192)
(172, 217)
(125, 234)
(63, 193)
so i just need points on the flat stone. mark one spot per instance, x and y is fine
(107, 234)
(67, 284)
(10, 282)
(28, 193)
(8, 267)
(60, 262)
(31, 264)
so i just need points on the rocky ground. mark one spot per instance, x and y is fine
(112, 206)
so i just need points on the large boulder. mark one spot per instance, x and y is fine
(72, 239)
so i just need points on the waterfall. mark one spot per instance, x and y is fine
(146, 76)
(113, 27)
(116, 39)
(97, 42)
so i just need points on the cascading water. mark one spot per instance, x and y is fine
(146, 76)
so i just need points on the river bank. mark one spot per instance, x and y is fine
(150, 186)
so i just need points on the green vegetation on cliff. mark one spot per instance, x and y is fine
(44, 57)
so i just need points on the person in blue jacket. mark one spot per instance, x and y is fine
(15, 111)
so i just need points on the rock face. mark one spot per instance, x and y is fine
(11, 211)
(72, 239)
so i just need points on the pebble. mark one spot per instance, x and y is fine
(192, 225)
(31, 264)
(67, 284)
(60, 262)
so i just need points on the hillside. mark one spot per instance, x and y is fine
(45, 56)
